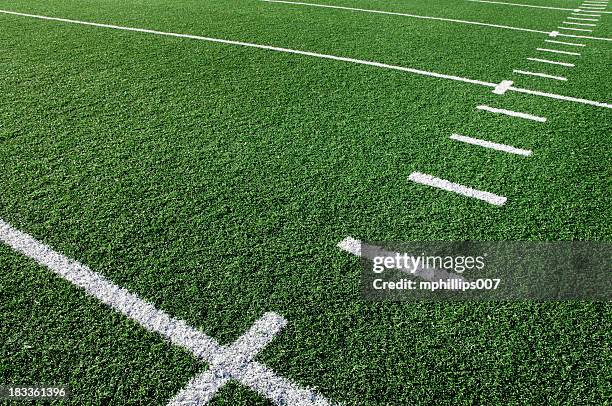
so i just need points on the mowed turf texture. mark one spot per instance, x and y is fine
(216, 180)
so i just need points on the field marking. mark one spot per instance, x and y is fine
(325, 56)
(526, 5)
(202, 388)
(519, 5)
(587, 15)
(298, 3)
(429, 180)
(539, 74)
(491, 145)
(220, 358)
(581, 24)
(511, 113)
(582, 19)
(560, 97)
(574, 29)
(503, 87)
(570, 65)
(367, 251)
(556, 51)
(573, 44)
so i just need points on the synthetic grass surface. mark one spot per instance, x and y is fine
(215, 181)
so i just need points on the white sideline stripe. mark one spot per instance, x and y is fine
(552, 41)
(574, 29)
(582, 24)
(298, 3)
(539, 74)
(367, 251)
(511, 113)
(556, 51)
(491, 145)
(582, 19)
(207, 349)
(444, 184)
(332, 57)
(587, 15)
(552, 62)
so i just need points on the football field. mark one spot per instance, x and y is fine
(185, 185)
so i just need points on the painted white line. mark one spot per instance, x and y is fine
(491, 145)
(203, 387)
(527, 5)
(220, 358)
(556, 51)
(560, 97)
(511, 113)
(569, 65)
(519, 5)
(539, 74)
(573, 44)
(574, 29)
(581, 24)
(503, 87)
(364, 10)
(265, 47)
(330, 57)
(367, 251)
(429, 180)
(584, 37)
(583, 19)
(587, 15)
(584, 10)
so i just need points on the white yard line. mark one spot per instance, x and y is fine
(560, 97)
(573, 44)
(491, 145)
(584, 10)
(574, 29)
(520, 5)
(364, 10)
(323, 56)
(582, 19)
(556, 51)
(511, 113)
(429, 180)
(232, 362)
(581, 24)
(538, 74)
(525, 5)
(569, 65)
(587, 15)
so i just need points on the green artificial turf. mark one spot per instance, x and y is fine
(215, 181)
